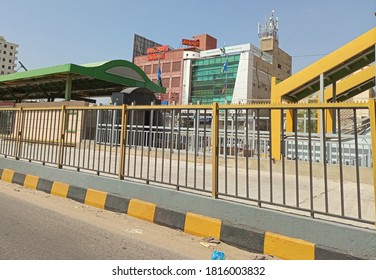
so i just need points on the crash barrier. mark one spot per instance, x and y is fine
(235, 152)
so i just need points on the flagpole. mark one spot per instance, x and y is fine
(159, 69)
(225, 66)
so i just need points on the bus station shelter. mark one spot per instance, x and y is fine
(75, 82)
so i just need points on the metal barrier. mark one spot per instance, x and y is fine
(200, 148)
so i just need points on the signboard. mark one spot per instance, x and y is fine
(155, 56)
(158, 49)
(192, 43)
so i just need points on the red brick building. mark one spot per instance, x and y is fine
(171, 63)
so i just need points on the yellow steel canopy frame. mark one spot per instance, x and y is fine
(332, 62)
(348, 59)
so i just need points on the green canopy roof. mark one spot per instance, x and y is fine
(72, 81)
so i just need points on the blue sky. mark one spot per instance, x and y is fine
(77, 31)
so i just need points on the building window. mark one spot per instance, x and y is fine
(175, 82)
(11, 47)
(155, 68)
(10, 61)
(279, 66)
(166, 82)
(147, 69)
(166, 67)
(176, 66)
(5, 45)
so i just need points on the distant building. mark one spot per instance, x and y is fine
(202, 73)
(170, 62)
(8, 56)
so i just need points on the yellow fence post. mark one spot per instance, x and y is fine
(290, 120)
(19, 133)
(275, 122)
(372, 113)
(61, 138)
(215, 148)
(123, 139)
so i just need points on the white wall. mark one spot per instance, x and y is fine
(187, 80)
(243, 83)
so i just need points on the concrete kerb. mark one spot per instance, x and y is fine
(328, 240)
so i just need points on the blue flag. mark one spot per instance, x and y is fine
(159, 76)
(224, 68)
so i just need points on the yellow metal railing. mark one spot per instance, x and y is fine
(187, 146)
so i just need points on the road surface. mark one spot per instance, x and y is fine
(35, 225)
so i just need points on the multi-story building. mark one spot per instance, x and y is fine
(203, 73)
(8, 56)
(170, 62)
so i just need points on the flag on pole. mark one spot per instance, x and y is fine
(223, 50)
(159, 77)
(159, 74)
(224, 86)
(224, 68)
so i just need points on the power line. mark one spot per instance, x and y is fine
(308, 55)
(299, 26)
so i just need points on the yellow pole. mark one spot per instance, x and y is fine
(123, 139)
(372, 113)
(215, 136)
(328, 113)
(275, 122)
(19, 133)
(329, 120)
(290, 120)
(61, 138)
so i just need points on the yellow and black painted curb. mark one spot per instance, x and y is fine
(250, 239)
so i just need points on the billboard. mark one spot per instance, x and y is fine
(155, 56)
(141, 44)
(157, 49)
(191, 43)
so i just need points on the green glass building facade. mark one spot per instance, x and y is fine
(209, 80)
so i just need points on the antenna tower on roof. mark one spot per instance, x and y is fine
(270, 28)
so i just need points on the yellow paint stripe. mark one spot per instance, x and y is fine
(95, 198)
(141, 209)
(288, 248)
(59, 189)
(31, 181)
(202, 226)
(7, 175)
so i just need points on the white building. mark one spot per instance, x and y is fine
(8, 56)
(246, 79)
(236, 74)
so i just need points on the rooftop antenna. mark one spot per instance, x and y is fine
(269, 29)
(22, 66)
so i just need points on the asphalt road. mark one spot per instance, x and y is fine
(36, 225)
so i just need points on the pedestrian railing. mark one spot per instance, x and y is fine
(254, 157)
